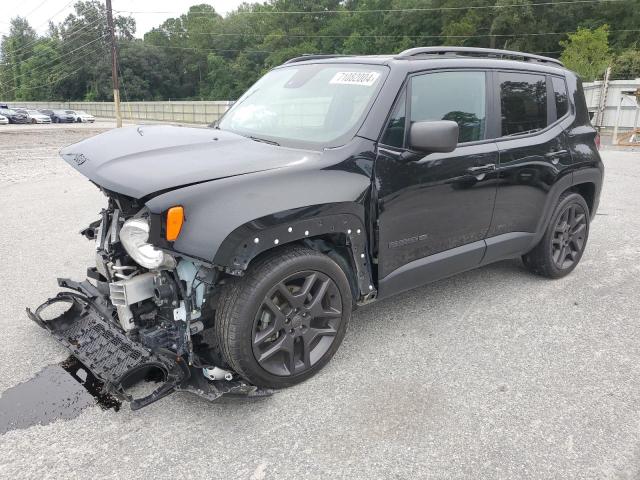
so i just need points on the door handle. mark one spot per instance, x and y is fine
(489, 167)
(557, 153)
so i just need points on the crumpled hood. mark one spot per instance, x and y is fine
(140, 161)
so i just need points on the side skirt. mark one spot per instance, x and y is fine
(457, 260)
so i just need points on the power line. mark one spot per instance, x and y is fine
(75, 32)
(57, 60)
(207, 49)
(45, 84)
(381, 36)
(55, 14)
(36, 28)
(377, 10)
(57, 69)
(39, 5)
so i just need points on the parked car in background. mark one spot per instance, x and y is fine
(3, 120)
(59, 116)
(35, 116)
(81, 116)
(13, 115)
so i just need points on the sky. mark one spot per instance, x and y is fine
(38, 12)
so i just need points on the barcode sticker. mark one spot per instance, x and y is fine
(355, 78)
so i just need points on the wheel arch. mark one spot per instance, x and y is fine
(586, 181)
(337, 230)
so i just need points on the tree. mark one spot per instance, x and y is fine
(202, 55)
(587, 52)
(16, 48)
(627, 65)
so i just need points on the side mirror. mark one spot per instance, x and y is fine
(436, 136)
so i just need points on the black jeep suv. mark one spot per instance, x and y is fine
(230, 259)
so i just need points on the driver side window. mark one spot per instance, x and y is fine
(458, 96)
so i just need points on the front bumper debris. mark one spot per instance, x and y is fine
(86, 328)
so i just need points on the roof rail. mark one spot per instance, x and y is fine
(314, 56)
(472, 51)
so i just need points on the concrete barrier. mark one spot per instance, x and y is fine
(201, 112)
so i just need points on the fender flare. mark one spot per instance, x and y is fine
(587, 175)
(246, 242)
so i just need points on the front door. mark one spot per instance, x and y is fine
(440, 202)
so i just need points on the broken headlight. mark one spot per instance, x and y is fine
(134, 236)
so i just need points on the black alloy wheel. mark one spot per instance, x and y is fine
(569, 236)
(297, 323)
(282, 321)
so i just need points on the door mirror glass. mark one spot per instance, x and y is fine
(435, 136)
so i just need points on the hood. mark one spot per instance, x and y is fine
(140, 161)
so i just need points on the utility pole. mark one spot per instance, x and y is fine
(114, 65)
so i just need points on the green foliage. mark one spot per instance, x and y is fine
(587, 52)
(201, 55)
(626, 65)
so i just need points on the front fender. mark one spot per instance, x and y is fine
(344, 220)
(216, 209)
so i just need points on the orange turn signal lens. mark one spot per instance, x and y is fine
(175, 217)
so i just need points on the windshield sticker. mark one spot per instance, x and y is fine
(355, 78)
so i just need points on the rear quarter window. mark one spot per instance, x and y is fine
(561, 97)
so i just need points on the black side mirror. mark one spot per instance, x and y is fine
(435, 136)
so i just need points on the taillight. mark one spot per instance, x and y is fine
(597, 140)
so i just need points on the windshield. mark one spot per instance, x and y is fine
(318, 104)
(7, 111)
(33, 112)
(69, 111)
(81, 112)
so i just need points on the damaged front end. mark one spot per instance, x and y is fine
(142, 312)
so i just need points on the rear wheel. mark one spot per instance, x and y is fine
(564, 241)
(284, 320)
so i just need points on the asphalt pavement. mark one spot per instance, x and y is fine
(494, 373)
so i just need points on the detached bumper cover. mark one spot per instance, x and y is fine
(86, 329)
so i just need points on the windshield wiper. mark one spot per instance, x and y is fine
(270, 142)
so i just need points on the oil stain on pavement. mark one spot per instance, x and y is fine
(59, 391)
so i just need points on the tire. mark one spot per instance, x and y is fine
(254, 318)
(33, 120)
(56, 120)
(563, 243)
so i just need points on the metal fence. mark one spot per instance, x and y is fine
(628, 108)
(203, 112)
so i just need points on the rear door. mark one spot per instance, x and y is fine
(533, 152)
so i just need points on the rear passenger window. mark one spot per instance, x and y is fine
(560, 93)
(457, 96)
(523, 100)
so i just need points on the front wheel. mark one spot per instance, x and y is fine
(564, 241)
(284, 320)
